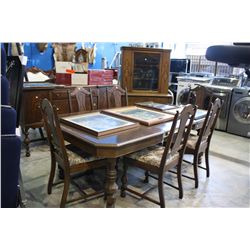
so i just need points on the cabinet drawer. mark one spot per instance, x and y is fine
(62, 106)
(31, 112)
(59, 95)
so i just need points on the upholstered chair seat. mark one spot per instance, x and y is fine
(153, 156)
(78, 156)
(192, 141)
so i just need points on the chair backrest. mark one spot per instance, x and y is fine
(179, 132)
(200, 96)
(117, 97)
(172, 96)
(95, 93)
(207, 129)
(83, 97)
(54, 133)
(15, 75)
(5, 85)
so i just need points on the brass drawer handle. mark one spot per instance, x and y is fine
(57, 109)
(36, 97)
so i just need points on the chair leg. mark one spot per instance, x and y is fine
(179, 181)
(124, 180)
(161, 191)
(65, 190)
(195, 166)
(41, 133)
(51, 175)
(146, 176)
(61, 172)
(207, 162)
(200, 158)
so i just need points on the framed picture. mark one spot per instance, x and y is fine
(200, 113)
(98, 124)
(144, 116)
(155, 106)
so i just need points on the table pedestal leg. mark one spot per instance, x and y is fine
(110, 184)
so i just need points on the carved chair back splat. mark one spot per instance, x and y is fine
(117, 97)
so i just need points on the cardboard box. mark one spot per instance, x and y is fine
(100, 77)
(61, 67)
(80, 67)
(62, 78)
(79, 79)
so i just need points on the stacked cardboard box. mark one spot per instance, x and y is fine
(100, 76)
(69, 73)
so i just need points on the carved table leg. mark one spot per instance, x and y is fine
(110, 184)
(26, 141)
(124, 181)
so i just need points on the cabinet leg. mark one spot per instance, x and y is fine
(26, 141)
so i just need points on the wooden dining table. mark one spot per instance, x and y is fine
(116, 145)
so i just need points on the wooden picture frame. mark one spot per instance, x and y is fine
(98, 124)
(155, 106)
(144, 116)
(200, 113)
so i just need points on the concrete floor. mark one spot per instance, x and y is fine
(228, 185)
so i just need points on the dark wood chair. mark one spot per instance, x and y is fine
(70, 161)
(116, 97)
(84, 99)
(200, 96)
(159, 159)
(97, 98)
(172, 97)
(199, 144)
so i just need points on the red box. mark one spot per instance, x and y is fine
(63, 78)
(100, 77)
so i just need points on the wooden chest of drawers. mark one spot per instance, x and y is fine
(31, 116)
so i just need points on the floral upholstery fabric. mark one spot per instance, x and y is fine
(192, 140)
(152, 156)
(77, 156)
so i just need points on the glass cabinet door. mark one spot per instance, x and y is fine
(146, 71)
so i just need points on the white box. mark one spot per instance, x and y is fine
(80, 67)
(61, 67)
(79, 79)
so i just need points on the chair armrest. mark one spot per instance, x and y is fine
(10, 167)
(4, 90)
(8, 120)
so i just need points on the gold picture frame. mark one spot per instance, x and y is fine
(142, 115)
(98, 124)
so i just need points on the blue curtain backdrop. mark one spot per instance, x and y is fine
(45, 60)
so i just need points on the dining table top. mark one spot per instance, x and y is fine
(100, 145)
(115, 145)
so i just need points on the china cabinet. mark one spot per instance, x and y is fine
(145, 74)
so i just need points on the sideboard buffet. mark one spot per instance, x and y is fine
(58, 95)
